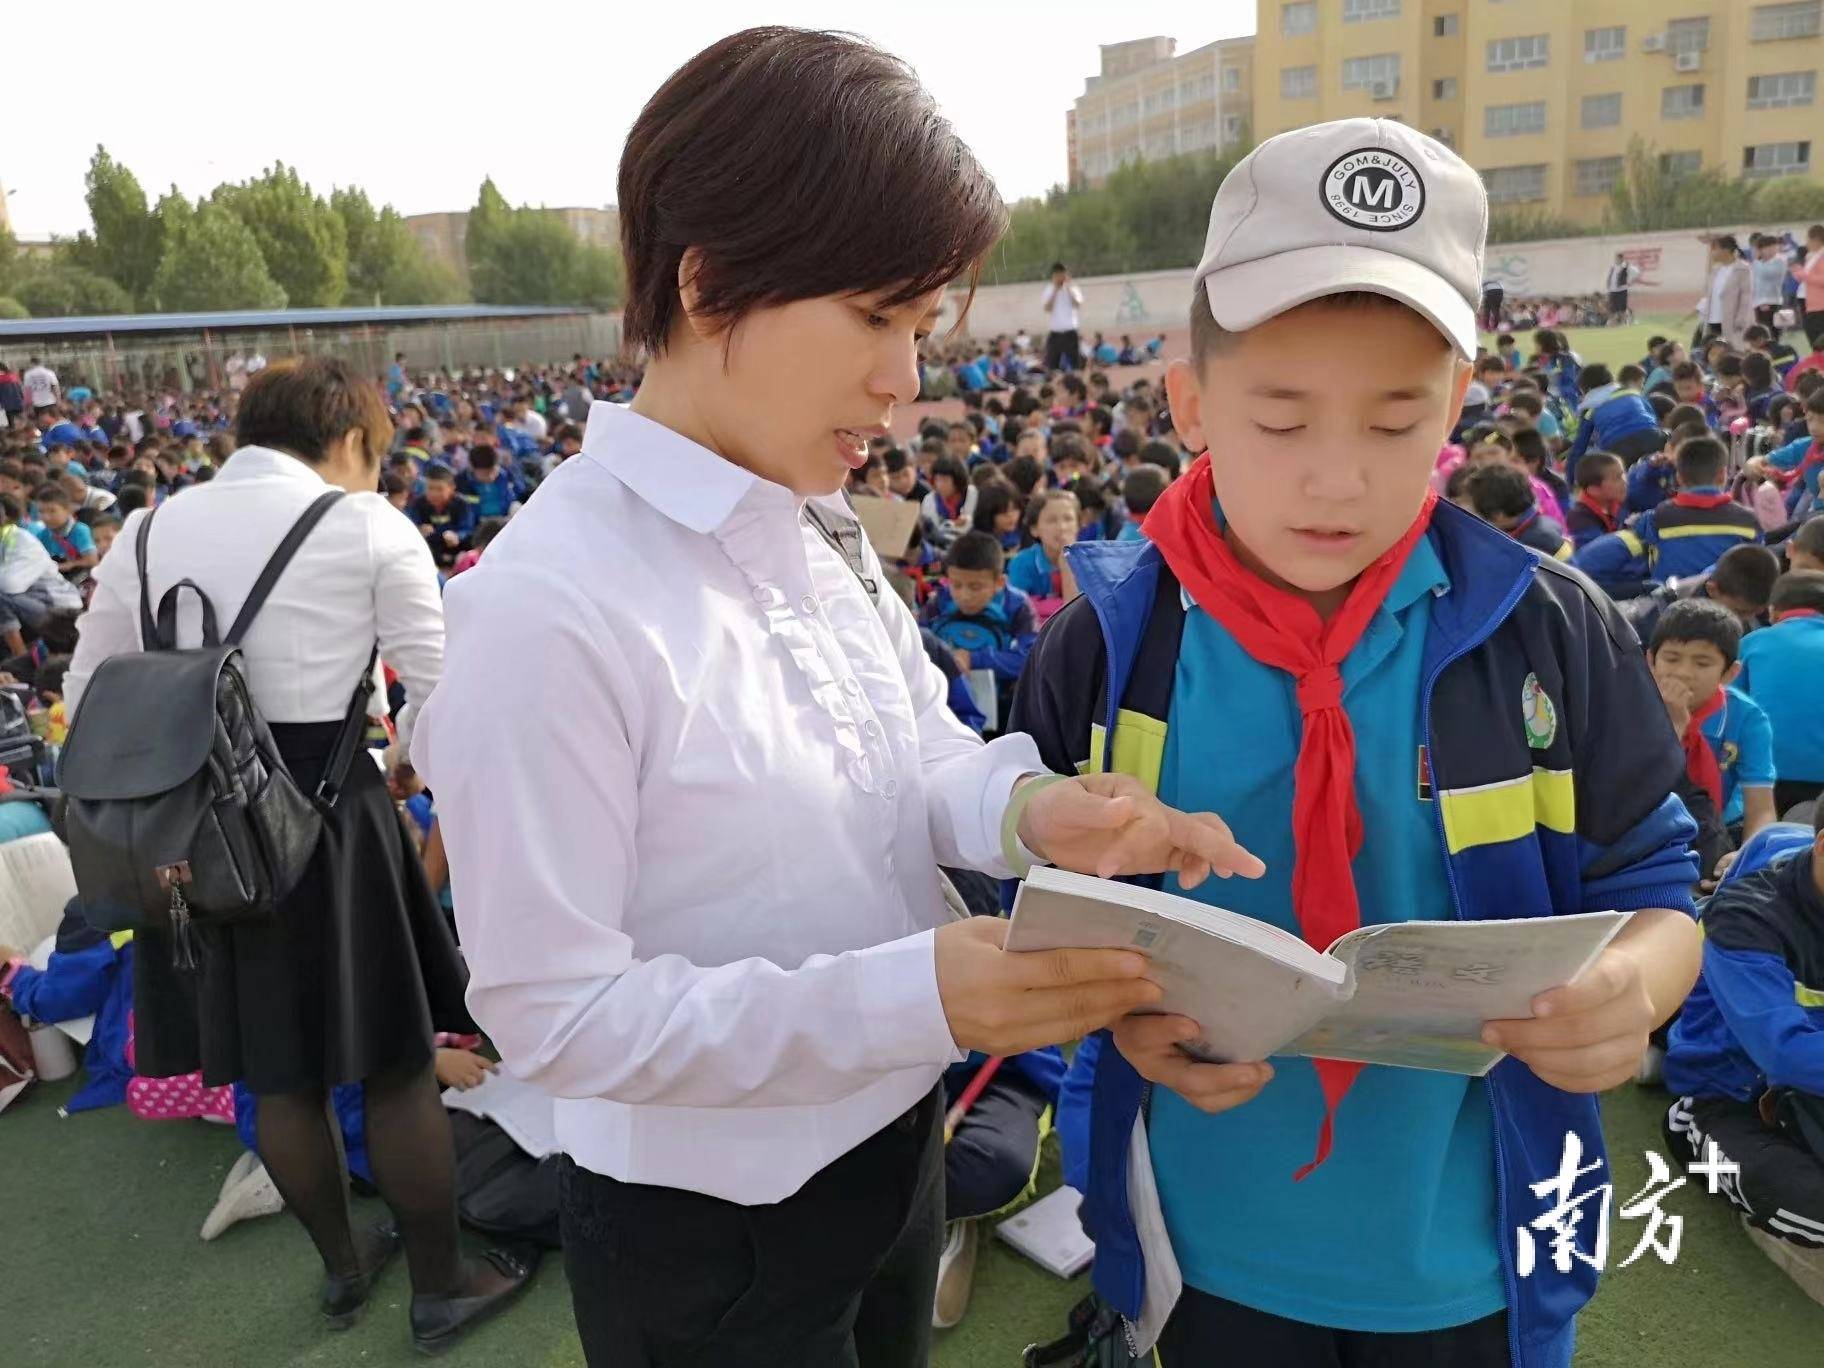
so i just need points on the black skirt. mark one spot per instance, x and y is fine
(350, 977)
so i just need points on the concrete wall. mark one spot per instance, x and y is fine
(1672, 276)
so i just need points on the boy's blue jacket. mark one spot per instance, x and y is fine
(1585, 820)
(1670, 542)
(1606, 419)
(998, 637)
(89, 974)
(1755, 1020)
(1650, 484)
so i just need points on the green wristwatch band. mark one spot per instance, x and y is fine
(1010, 822)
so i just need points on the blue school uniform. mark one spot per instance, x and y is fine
(490, 498)
(1781, 667)
(1033, 574)
(1685, 535)
(73, 541)
(1650, 483)
(1741, 738)
(1804, 499)
(1609, 419)
(89, 973)
(64, 434)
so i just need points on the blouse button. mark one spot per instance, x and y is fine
(851, 685)
(890, 788)
(809, 604)
(763, 594)
(871, 727)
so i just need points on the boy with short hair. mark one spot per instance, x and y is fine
(1781, 667)
(1746, 1056)
(1307, 644)
(1695, 657)
(492, 490)
(444, 520)
(1140, 491)
(1742, 581)
(1803, 459)
(1602, 487)
(1805, 548)
(1688, 387)
(71, 544)
(1614, 416)
(1684, 535)
(1503, 497)
(986, 624)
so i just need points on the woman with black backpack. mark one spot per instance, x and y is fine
(342, 969)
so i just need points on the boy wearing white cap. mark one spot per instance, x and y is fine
(1407, 715)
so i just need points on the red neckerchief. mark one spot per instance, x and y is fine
(1788, 613)
(1700, 760)
(1814, 457)
(1691, 498)
(1524, 523)
(1597, 507)
(951, 507)
(1281, 630)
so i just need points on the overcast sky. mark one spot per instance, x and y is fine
(416, 101)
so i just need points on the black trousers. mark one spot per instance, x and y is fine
(1062, 350)
(1814, 327)
(995, 1151)
(1780, 1188)
(1788, 793)
(1638, 444)
(1209, 1332)
(841, 1274)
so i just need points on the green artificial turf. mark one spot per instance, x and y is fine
(103, 1267)
(1612, 346)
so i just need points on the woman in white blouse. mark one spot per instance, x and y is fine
(695, 781)
(356, 967)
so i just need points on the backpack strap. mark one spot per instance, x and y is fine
(262, 587)
(845, 537)
(148, 629)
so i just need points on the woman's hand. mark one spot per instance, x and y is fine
(1108, 824)
(1150, 1043)
(1004, 1004)
(462, 1069)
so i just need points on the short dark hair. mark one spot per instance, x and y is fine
(1631, 375)
(1593, 375)
(1807, 382)
(305, 404)
(755, 153)
(993, 498)
(1701, 461)
(1747, 573)
(1073, 446)
(1163, 455)
(1798, 589)
(482, 456)
(1687, 370)
(952, 469)
(1697, 619)
(131, 498)
(1500, 491)
(1026, 474)
(1142, 488)
(1209, 338)
(49, 676)
(1757, 370)
(1595, 466)
(1526, 401)
(439, 474)
(485, 531)
(1532, 448)
(975, 551)
(392, 485)
(51, 493)
(895, 459)
(1126, 443)
(1814, 402)
(1754, 332)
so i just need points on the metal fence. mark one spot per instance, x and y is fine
(190, 361)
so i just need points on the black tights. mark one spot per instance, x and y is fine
(414, 1165)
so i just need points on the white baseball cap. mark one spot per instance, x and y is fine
(1355, 204)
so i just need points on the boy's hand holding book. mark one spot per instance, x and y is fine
(1588, 1035)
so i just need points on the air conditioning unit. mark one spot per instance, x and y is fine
(1653, 42)
(1384, 90)
(1688, 61)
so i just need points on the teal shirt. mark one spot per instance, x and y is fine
(1395, 1232)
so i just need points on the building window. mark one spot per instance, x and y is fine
(1512, 120)
(1443, 136)
(1782, 90)
(1519, 54)
(1687, 35)
(1298, 18)
(1360, 11)
(1601, 111)
(1515, 184)
(1444, 88)
(1444, 26)
(1363, 73)
(1597, 175)
(1777, 159)
(1605, 44)
(1773, 22)
(1232, 125)
(1231, 79)
(1681, 102)
(1123, 114)
(1298, 83)
(1677, 165)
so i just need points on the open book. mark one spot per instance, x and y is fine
(1410, 994)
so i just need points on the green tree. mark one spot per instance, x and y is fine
(386, 264)
(530, 256)
(12, 308)
(59, 289)
(300, 236)
(1649, 197)
(213, 261)
(1791, 199)
(128, 238)
(488, 221)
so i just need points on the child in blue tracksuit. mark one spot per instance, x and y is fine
(490, 489)
(1038, 571)
(444, 520)
(1683, 536)
(1503, 497)
(1602, 488)
(1746, 1056)
(1806, 455)
(1399, 710)
(1614, 417)
(89, 973)
(1781, 667)
(986, 624)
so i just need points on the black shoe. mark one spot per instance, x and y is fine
(438, 1320)
(342, 1298)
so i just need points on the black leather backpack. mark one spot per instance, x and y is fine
(179, 807)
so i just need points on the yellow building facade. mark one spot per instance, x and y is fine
(1543, 96)
(1150, 102)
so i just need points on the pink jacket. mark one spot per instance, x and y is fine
(1810, 274)
(1543, 494)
